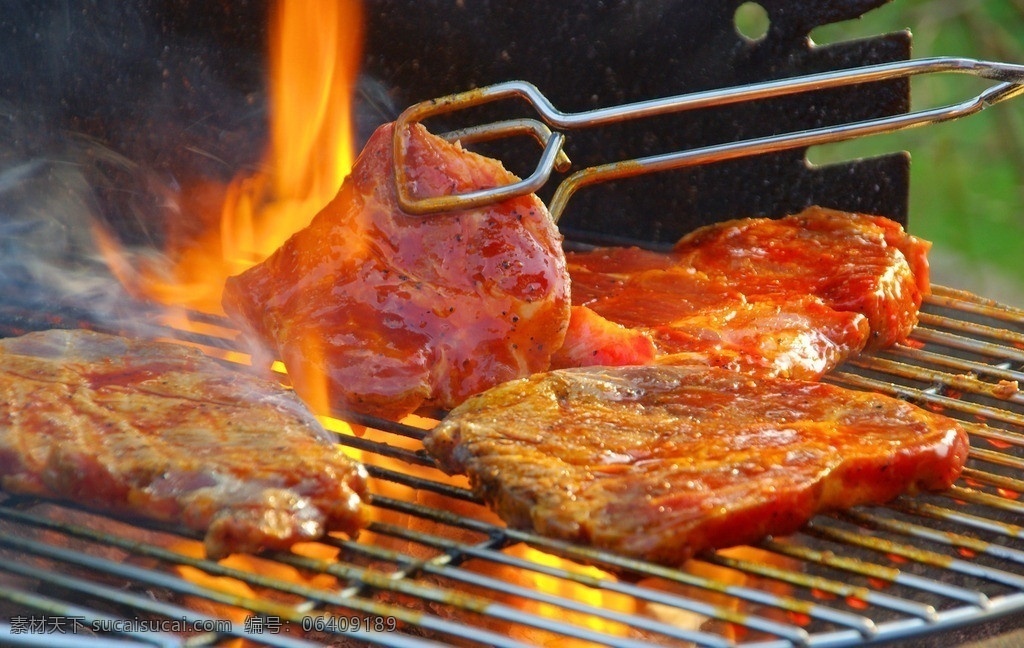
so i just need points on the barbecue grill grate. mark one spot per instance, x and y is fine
(435, 567)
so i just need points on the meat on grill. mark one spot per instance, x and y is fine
(662, 462)
(402, 311)
(626, 297)
(161, 431)
(854, 262)
(791, 297)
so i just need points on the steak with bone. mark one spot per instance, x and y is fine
(662, 462)
(159, 430)
(395, 312)
(791, 297)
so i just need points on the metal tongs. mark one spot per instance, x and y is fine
(1010, 78)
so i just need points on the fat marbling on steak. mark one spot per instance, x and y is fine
(662, 462)
(158, 430)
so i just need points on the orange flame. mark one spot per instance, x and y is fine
(314, 63)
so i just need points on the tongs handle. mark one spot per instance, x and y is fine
(1009, 76)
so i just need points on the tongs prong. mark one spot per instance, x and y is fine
(1009, 78)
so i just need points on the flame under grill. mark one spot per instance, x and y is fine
(436, 567)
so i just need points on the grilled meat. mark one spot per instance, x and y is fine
(854, 262)
(791, 297)
(687, 317)
(400, 311)
(161, 431)
(661, 462)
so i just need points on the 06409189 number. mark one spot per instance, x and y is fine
(349, 624)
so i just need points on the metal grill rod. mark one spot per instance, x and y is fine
(823, 528)
(959, 364)
(958, 540)
(469, 602)
(966, 302)
(130, 573)
(70, 611)
(999, 459)
(864, 626)
(182, 586)
(923, 397)
(972, 345)
(946, 380)
(999, 481)
(972, 328)
(874, 570)
(586, 555)
(924, 509)
(913, 608)
(976, 497)
(441, 568)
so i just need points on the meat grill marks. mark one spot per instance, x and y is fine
(662, 462)
(791, 297)
(161, 431)
(400, 312)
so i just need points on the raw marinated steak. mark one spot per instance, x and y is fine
(854, 262)
(687, 317)
(662, 462)
(397, 312)
(161, 431)
(791, 297)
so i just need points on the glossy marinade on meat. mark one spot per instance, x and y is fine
(396, 312)
(791, 297)
(854, 262)
(160, 431)
(662, 462)
(625, 313)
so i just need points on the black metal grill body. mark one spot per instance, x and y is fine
(615, 53)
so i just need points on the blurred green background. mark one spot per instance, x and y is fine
(967, 176)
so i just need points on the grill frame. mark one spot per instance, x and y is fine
(437, 562)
